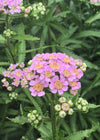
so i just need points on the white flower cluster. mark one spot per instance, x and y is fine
(64, 107)
(38, 8)
(82, 105)
(8, 33)
(13, 95)
(35, 10)
(34, 118)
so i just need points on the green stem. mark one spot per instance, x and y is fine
(53, 117)
(8, 39)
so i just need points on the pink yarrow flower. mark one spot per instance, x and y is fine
(58, 85)
(18, 74)
(37, 87)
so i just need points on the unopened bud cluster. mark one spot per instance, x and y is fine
(64, 107)
(34, 118)
(82, 105)
(8, 33)
(13, 95)
(36, 10)
(81, 65)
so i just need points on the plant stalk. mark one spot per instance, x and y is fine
(53, 117)
(8, 39)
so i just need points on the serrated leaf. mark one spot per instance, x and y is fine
(80, 135)
(25, 37)
(19, 119)
(88, 33)
(93, 18)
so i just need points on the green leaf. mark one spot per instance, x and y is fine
(93, 18)
(21, 48)
(12, 112)
(19, 119)
(2, 39)
(80, 135)
(93, 106)
(2, 70)
(25, 37)
(33, 101)
(4, 63)
(88, 33)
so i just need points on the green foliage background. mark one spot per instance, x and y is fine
(71, 27)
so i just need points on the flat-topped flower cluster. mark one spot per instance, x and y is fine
(94, 1)
(12, 6)
(55, 71)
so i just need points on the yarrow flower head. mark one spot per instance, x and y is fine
(56, 71)
(12, 6)
(94, 1)
(34, 118)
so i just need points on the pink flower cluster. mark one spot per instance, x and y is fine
(12, 6)
(57, 71)
(95, 1)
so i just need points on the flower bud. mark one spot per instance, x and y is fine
(84, 102)
(57, 107)
(9, 88)
(79, 107)
(65, 106)
(3, 80)
(84, 108)
(70, 103)
(39, 118)
(62, 99)
(34, 111)
(30, 62)
(62, 114)
(70, 111)
(36, 122)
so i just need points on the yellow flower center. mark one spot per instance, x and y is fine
(58, 84)
(76, 71)
(16, 82)
(74, 83)
(65, 106)
(54, 65)
(66, 59)
(39, 65)
(30, 74)
(18, 74)
(51, 56)
(48, 74)
(38, 86)
(14, 8)
(39, 58)
(67, 73)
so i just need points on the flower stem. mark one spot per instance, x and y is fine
(8, 39)
(53, 117)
